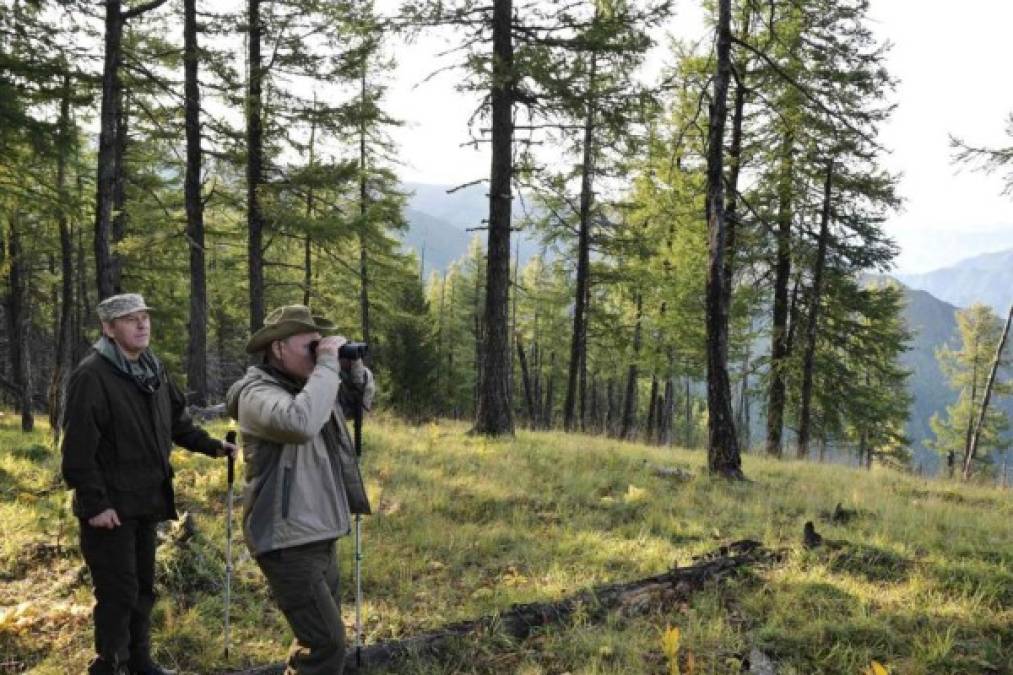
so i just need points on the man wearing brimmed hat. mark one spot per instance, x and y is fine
(123, 415)
(302, 476)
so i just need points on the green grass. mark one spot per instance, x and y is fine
(921, 580)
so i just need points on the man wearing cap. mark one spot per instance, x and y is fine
(123, 415)
(302, 476)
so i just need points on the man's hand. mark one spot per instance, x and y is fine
(229, 450)
(107, 520)
(330, 345)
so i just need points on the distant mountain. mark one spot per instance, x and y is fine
(933, 324)
(437, 242)
(441, 224)
(985, 278)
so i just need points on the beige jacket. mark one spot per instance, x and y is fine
(302, 475)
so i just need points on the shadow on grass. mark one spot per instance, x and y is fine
(989, 584)
(36, 453)
(872, 563)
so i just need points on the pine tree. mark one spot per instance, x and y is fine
(967, 369)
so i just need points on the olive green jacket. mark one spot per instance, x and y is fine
(302, 475)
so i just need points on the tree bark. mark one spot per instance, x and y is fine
(196, 352)
(814, 312)
(254, 168)
(105, 186)
(722, 446)
(494, 415)
(65, 331)
(578, 339)
(979, 425)
(119, 225)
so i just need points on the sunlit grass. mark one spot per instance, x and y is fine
(465, 526)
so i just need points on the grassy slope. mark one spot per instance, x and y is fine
(465, 527)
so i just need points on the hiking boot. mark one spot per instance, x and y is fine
(100, 666)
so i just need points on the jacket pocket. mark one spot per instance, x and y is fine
(286, 490)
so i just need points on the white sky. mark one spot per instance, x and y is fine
(950, 58)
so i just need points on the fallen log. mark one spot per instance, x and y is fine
(631, 598)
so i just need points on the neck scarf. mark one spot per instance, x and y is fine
(145, 371)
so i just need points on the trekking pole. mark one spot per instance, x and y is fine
(230, 437)
(358, 547)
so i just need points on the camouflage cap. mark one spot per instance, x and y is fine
(116, 306)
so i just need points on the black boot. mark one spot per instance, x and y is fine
(101, 666)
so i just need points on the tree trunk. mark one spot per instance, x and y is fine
(196, 352)
(105, 186)
(973, 448)
(20, 318)
(665, 437)
(690, 436)
(65, 330)
(364, 227)
(119, 225)
(630, 400)
(82, 309)
(745, 436)
(494, 415)
(550, 392)
(969, 431)
(307, 281)
(578, 339)
(513, 315)
(610, 412)
(814, 312)
(451, 399)
(254, 169)
(652, 408)
(732, 189)
(722, 447)
(476, 316)
(526, 381)
(779, 326)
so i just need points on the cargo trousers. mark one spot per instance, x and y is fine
(304, 583)
(122, 566)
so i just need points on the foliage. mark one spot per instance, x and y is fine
(966, 370)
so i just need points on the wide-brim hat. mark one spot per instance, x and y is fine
(285, 322)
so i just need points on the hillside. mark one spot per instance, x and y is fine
(985, 278)
(919, 578)
(441, 224)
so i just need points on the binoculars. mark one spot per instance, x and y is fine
(349, 350)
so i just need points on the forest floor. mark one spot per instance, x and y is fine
(919, 579)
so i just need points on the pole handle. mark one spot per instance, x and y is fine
(230, 437)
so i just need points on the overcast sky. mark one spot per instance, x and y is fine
(951, 59)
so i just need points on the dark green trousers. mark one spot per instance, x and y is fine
(122, 566)
(304, 583)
